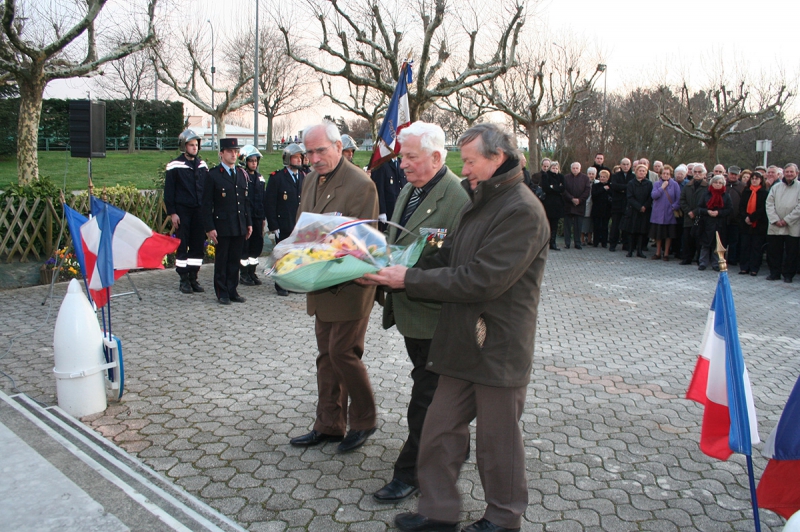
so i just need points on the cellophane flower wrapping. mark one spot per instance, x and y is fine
(325, 250)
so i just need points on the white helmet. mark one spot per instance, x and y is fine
(247, 151)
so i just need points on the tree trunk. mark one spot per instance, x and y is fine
(712, 149)
(30, 111)
(132, 134)
(220, 127)
(268, 147)
(534, 153)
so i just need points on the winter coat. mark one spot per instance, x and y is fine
(783, 203)
(576, 186)
(553, 188)
(601, 200)
(735, 190)
(662, 206)
(710, 226)
(488, 273)
(759, 217)
(690, 199)
(636, 221)
(619, 191)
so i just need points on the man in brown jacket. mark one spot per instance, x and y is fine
(488, 274)
(341, 312)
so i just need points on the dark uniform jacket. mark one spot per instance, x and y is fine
(256, 195)
(488, 272)
(619, 190)
(389, 180)
(282, 199)
(183, 183)
(226, 205)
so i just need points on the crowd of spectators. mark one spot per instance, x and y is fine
(680, 211)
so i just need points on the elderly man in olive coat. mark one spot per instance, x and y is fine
(488, 275)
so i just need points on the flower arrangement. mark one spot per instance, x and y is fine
(70, 267)
(210, 252)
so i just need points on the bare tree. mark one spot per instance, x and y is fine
(282, 82)
(471, 105)
(362, 101)
(453, 124)
(366, 38)
(713, 114)
(537, 93)
(129, 79)
(47, 41)
(183, 69)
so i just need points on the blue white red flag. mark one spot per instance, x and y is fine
(779, 487)
(720, 382)
(114, 242)
(74, 221)
(397, 117)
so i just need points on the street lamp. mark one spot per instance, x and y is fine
(255, 87)
(563, 104)
(602, 68)
(213, 69)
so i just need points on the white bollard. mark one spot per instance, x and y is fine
(79, 361)
(793, 524)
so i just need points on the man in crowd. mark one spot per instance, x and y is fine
(577, 188)
(536, 179)
(282, 197)
(735, 190)
(651, 175)
(389, 180)
(599, 158)
(341, 313)
(349, 147)
(433, 198)
(772, 176)
(619, 200)
(251, 157)
(783, 233)
(657, 167)
(719, 169)
(226, 218)
(183, 198)
(690, 201)
(488, 276)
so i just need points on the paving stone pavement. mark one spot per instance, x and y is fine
(214, 393)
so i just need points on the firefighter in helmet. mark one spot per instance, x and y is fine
(283, 196)
(349, 147)
(249, 159)
(183, 197)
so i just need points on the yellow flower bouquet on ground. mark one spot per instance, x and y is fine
(325, 250)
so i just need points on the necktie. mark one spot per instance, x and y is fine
(411, 206)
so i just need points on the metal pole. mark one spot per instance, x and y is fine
(605, 87)
(255, 86)
(765, 158)
(213, 70)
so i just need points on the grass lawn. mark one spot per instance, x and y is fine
(139, 169)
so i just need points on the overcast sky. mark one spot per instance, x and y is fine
(642, 42)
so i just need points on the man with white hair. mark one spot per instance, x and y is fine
(691, 195)
(340, 315)
(577, 188)
(772, 176)
(783, 233)
(433, 197)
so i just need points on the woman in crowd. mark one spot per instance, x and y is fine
(553, 187)
(666, 196)
(638, 211)
(744, 177)
(753, 213)
(587, 231)
(714, 209)
(601, 208)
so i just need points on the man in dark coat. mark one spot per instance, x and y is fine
(282, 197)
(599, 159)
(577, 187)
(601, 208)
(389, 180)
(536, 179)
(619, 200)
(691, 195)
(488, 275)
(226, 217)
(249, 158)
(183, 198)
(735, 189)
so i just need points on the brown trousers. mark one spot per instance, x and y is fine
(342, 374)
(499, 451)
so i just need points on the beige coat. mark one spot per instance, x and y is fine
(349, 191)
(783, 203)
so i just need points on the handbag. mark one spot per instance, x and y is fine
(677, 213)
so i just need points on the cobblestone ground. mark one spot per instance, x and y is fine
(214, 393)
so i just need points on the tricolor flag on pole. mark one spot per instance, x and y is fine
(779, 487)
(720, 382)
(397, 117)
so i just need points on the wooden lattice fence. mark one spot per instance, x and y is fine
(30, 228)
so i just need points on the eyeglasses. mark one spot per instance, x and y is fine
(320, 151)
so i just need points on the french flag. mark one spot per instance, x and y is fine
(114, 242)
(398, 116)
(779, 487)
(720, 382)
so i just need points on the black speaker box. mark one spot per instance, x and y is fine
(87, 129)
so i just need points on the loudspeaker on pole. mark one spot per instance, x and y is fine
(87, 128)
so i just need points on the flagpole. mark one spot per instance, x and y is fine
(723, 270)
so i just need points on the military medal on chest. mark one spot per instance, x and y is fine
(285, 196)
(223, 193)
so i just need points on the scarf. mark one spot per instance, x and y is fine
(716, 201)
(751, 203)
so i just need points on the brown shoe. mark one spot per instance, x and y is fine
(655, 257)
(665, 258)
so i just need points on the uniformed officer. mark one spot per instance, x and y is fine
(349, 147)
(389, 179)
(249, 158)
(183, 197)
(226, 217)
(283, 196)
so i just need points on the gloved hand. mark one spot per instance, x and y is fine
(382, 217)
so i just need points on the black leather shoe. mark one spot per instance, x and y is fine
(484, 525)
(224, 301)
(394, 491)
(408, 522)
(578, 246)
(701, 267)
(686, 263)
(238, 299)
(244, 279)
(354, 439)
(612, 248)
(313, 438)
(281, 291)
(787, 279)
(773, 277)
(566, 246)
